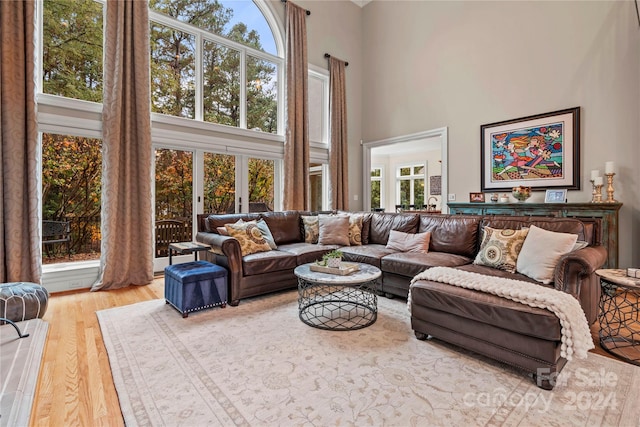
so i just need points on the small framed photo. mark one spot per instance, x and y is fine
(476, 197)
(555, 196)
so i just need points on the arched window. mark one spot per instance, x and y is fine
(215, 61)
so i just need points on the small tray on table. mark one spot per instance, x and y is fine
(344, 269)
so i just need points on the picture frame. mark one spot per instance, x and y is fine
(555, 196)
(540, 151)
(476, 197)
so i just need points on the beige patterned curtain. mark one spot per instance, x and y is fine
(339, 173)
(296, 144)
(127, 234)
(19, 215)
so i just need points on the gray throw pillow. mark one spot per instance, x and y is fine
(334, 230)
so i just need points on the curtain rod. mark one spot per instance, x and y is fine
(326, 55)
(308, 11)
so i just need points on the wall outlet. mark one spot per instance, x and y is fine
(451, 197)
(355, 197)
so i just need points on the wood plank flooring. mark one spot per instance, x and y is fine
(75, 387)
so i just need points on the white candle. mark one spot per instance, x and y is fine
(608, 167)
(597, 180)
(594, 174)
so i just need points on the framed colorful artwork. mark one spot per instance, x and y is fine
(541, 151)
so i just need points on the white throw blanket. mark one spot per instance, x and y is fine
(575, 335)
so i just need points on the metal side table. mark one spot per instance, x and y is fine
(619, 314)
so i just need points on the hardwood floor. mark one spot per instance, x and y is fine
(75, 387)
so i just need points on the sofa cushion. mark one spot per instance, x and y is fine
(409, 242)
(355, 229)
(284, 226)
(213, 221)
(334, 230)
(383, 223)
(249, 236)
(500, 248)
(455, 234)
(271, 261)
(487, 308)
(307, 252)
(561, 225)
(311, 228)
(541, 251)
(411, 263)
(368, 254)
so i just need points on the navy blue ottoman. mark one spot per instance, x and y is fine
(196, 285)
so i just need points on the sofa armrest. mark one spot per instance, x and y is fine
(576, 264)
(228, 254)
(575, 275)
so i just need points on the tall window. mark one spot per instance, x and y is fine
(411, 185)
(71, 193)
(72, 49)
(376, 188)
(193, 42)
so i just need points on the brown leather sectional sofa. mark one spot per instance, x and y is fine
(522, 336)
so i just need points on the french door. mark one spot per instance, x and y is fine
(191, 182)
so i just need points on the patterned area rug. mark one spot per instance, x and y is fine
(20, 360)
(257, 364)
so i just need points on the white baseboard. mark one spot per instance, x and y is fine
(70, 276)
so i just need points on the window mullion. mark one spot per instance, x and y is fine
(199, 79)
(243, 89)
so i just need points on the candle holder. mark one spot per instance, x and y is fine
(610, 198)
(596, 194)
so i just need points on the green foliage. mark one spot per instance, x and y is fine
(72, 49)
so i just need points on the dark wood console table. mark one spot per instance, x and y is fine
(606, 212)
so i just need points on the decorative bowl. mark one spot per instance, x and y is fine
(521, 193)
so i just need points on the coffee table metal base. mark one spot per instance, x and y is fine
(337, 307)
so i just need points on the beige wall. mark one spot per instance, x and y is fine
(464, 64)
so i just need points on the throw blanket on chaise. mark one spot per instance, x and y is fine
(575, 337)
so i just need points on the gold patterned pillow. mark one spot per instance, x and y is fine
(500, 248)
(355, 230)
(311, 228)
(250, 237)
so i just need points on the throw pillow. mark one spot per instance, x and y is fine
(409, 242)
(311, 228)
(541, 251)
(333, 230)
(355, 230)
(223, 231)
(500, 248)
(580, 244)
(266, 233)
(249, 236)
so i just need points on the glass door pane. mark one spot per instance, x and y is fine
(219, 183)
(261, 185)
(174, 198)
(71, 193)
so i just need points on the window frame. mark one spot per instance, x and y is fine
(382, 180)
(412, 177)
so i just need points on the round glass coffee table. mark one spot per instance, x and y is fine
(335, 302)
